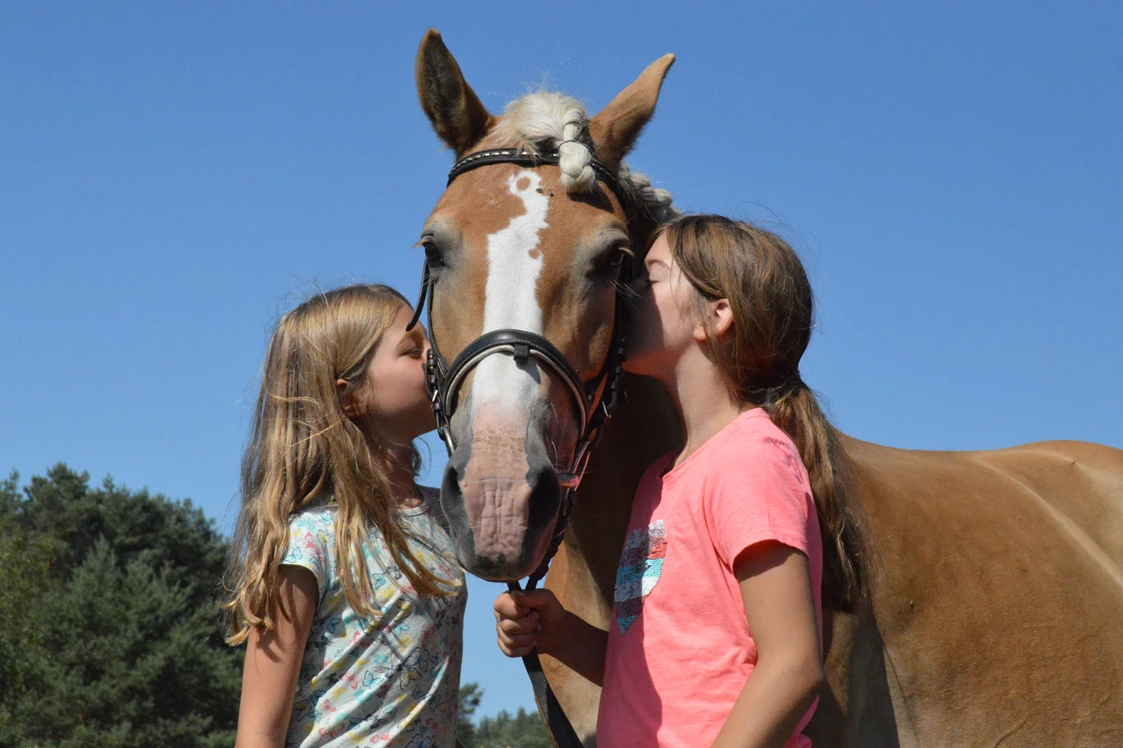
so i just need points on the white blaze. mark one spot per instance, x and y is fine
(514, 263)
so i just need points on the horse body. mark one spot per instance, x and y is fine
(996, 595)
(995, 606)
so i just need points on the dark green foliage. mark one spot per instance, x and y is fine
(110, 636)
(109, 630)
(523, 730)
(470, 695)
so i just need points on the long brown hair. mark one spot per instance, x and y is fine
(771, 301)
(303, 449)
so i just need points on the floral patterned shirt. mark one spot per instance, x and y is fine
(390, 680)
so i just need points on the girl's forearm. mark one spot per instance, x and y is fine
(260, 740)
(578, 645)
(771, 705)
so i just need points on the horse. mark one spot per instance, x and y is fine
(994, 611)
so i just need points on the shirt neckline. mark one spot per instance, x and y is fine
(668, 472)
(428, 496)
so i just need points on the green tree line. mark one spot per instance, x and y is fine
(110, 632)
(504, 730)
(109, 627)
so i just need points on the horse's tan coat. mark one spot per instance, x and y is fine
(995, 615)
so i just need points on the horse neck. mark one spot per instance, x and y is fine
(641, 430)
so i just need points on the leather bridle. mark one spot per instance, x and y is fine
(595, 399)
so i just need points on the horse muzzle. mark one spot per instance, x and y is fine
(502, 497)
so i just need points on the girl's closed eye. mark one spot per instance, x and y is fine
(410, 347)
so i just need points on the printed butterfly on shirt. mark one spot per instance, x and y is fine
(377, 677)
(442, 705)
(332, 732)
(301, 709)
(413, 667)
(387, 713)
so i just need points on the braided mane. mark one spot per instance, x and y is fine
(548, 120)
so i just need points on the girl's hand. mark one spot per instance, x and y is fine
(526, 620)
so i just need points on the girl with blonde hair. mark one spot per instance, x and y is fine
(737, 539)
(344, 584)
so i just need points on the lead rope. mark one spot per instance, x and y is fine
(558, 726)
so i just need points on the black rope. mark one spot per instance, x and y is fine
(557, 723)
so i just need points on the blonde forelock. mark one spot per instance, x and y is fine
(548, 120)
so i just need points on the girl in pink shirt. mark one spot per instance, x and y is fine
(715, 637)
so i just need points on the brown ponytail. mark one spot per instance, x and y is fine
(799, 416)
(771, 301)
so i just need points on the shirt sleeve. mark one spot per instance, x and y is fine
(761, 492)
(310, 546)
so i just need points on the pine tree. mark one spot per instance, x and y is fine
(110, 633)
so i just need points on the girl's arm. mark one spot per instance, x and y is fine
(526, 620)
(780, 608)
(273, 664)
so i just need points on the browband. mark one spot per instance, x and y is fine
(528, 158)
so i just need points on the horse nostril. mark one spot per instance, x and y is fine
(450, 482)
(545, 496)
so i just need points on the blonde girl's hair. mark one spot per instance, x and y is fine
(771, 301)
(304, 449)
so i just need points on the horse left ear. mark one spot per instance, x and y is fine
(457, 114)
(615, 129)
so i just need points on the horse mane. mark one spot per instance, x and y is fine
(548, 120)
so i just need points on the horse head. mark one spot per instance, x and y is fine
(524, 255)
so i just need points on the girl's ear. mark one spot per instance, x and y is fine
(718, 321)
(346, 397)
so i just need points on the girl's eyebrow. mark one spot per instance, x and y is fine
(403, 338)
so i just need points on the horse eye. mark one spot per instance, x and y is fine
(433, 254)
(615, 258)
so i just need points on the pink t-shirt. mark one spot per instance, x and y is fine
(679, 647)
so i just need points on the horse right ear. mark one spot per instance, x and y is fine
(614, 131)
(448, 101)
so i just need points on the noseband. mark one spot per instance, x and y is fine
(443, 381)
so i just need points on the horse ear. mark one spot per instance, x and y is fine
(615, 129)
(448, 101)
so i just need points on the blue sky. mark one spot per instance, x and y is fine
(174, 176)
